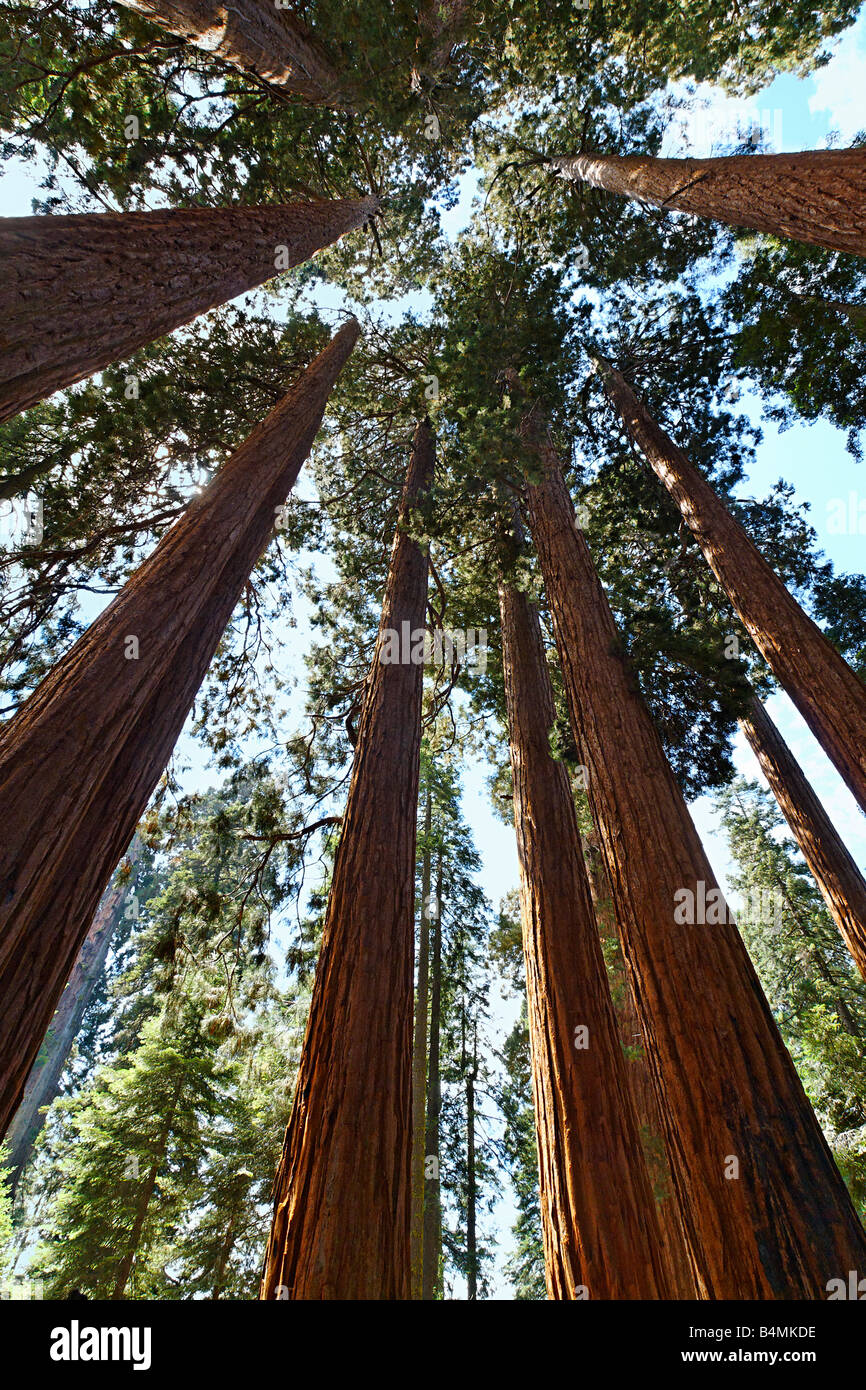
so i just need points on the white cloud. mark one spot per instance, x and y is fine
(840, 87)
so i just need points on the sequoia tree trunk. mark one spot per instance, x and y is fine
(43, 1083)
(80, 292)
(835, 872)
(432, 1209)
(817, 196)
(765, 1210)
(419, 1058)
(601, 1237)
(342, 1210)
(830, 697)
(80, 759)
(256, 36)
(681, 1282)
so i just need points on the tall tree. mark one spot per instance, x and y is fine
(816, 196)
(342, 1208)
(681, 1283)
(835, 871)
(746, 1151)
(80, 292)
(828, 694)
(601, 1236)
(817, 998)
(255, 36)
(419, 1048)
(43, 1083)
(101, 757)
(431, 1261)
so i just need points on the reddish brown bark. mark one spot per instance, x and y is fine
(43, 1083)
(419, 1059)
(817, 196)
(342, 1190)
(830, 697)
(79, 761)
(765, 1210)
(601, 1237)
(82, 291)
(256, 36)
(431, 1263)
(681, 1282)
(835, 872)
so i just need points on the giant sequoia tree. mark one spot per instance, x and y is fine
(101, 756)
(670, 1128)
(342, 1213)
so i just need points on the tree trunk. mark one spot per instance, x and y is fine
(681, 1282)
(817, 196)
(471, 1187)
(141, 1207)
(830, 697)
(441, 23)
(257, 37)
(599, 1224)
(342, 1211)
(101, 727)
(43, 1083)
(835, 872)
(80, 292)
(766, 1212)
(419, 1059)
(223, 1258)
(432, 1209)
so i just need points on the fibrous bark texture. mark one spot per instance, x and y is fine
(80, 292)
(79, 761)
(817, 196)
(257, 36)
(419, 1059)
(765, 1210)
(835, 872)
(681, 1283)
(342, 1190)
(601, 1237)
(830, 697)
(431, 1261)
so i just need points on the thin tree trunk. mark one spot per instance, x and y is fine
(342, 1212)
(681, 1283)
(141, 1208)
(599, 1225)
(223, 1258)
(471, 1185)
(854, 313)
(766, 1212)
(43, 1083)
(432, 1209)
(830, 697)
(835, 872)
(80, 759)
(419, 1059)
(80, 292)
(256, 36)
(817, 196)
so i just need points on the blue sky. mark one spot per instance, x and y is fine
(796, 114)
